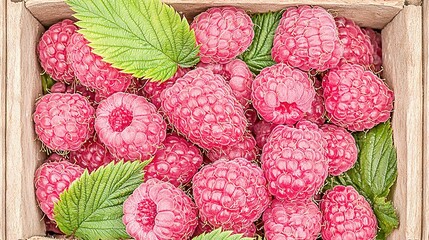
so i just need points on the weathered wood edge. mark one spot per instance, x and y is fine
(2, 119)
(425, 222)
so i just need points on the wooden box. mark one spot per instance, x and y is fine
(402, 53)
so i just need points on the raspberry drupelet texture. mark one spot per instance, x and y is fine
(129, 126)
(52, 50)
(76, 87)
(231, 194)
(282, 94)
(92, 155)
(316, 114)
(299, 220)
(222, 33)
(202, 107)
(294, 163)
(176, 161)
(347, 215)
(375, 38)
(159, 210)
(92, 72)
(356, 98)
(262, 131)
(245, 148)
(63, 121)
(341, 149)
(307, 38)
(51, 179)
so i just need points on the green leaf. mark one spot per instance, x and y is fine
(258, 55)
(218, 234)
(91, 208)
(386, 216)
(47, 83)
(145, 38)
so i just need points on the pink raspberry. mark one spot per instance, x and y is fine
(56, 158)
(176, 161)
(51, 179)
(231, 194)
(375, 38)
(238, 76)
(282, 94)
(63, 121)
(75, 87)
(357, 45)
(159, 210)
(294, 163)
(52, 50)
(347, 215)
(92, 71)
(307, 38)
(223, 33)
(300, 220)
(245, 148)
(356, 98)
(130, 126)
(262, 131)
(341, 150)
(316, 114)
(92, 155)
(202, 107)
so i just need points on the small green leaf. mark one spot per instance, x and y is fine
(91, 208)
(258, 55)
(218, 234)
(386, 216)
(47, 83)
(145, 38)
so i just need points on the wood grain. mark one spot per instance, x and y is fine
(367, 13)
(2, 118)
(402, 60)
(22, 150)
(425, 231)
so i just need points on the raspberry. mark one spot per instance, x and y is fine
(347, 215)
(252, 117)
(341, 150)
(262, 131)
(316, 114)
(355, 98)
(246, 148)
(176, 161)
(294, 163)
(92, 71)
(63, 121)
(238, 76)
(92, 155)
(159, 210)
(52, 50)
(307, 38)
(281, 94)
(230, 194)
(375, 38)
(76, 87)
(129, 126)
(300, 220)
(51, 179)
(201, 106)
(223, 33)
(357, 45)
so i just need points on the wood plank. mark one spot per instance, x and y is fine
(425, 231)
(2, 118)
(414, 2)
(367, 13)
(402, 60)
(22, 150)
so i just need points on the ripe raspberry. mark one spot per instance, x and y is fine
(262, 131)
(51, 179)
(307, 38)
(92, 155)
(294, 163)
(230, 194)
(282, 94)
(129, 126)
(300, 220)
(176, 161)
(238, 76)
(355, 98)
(56, 158)
(375, 38)
(159, 210)
(76, 87)
(52, 50)
(201, 106)
(245, 148)
(316, 114)
(347, 215)
(341, 150)
(223, 33)
(63, 121)
(92, 71)
(357, 45)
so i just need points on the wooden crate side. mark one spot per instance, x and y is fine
(23, 153)
(425, 231)
(402, 60)
(368, 13)
(2, 118)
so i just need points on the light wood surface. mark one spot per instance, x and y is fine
(402, 60)
(22, 150)
(2, 118)
(425, 231)
(414, 2)
(368, 13)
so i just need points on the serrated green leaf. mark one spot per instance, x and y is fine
(218, 234)
(47, 83)
(91, 208)
(258, 55)
(386, 216)
(145, 38)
